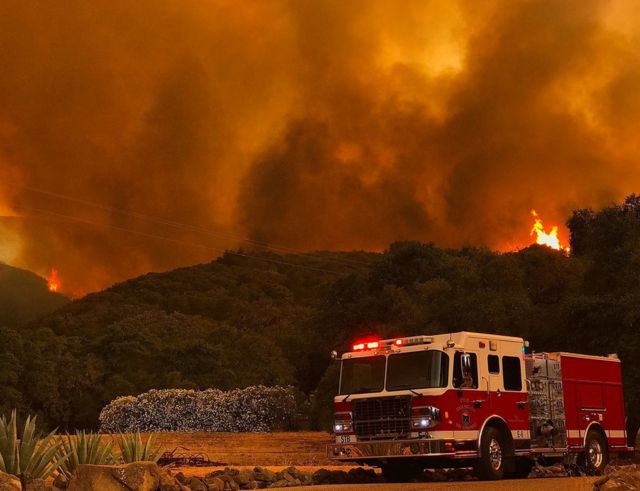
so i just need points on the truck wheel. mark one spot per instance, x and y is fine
(596, 455)
(401, 471)
(490, 465)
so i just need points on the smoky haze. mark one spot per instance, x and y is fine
(128, 129)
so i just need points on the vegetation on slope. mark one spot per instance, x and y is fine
(24, 296)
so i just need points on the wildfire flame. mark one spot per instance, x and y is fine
(54, 281)
(543, 238)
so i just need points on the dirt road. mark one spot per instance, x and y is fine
(562, 483)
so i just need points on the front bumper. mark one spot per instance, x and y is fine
(391, 448)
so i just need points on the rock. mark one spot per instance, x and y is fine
(321, 476)
(170, 483)
(214, 483)
(36, 485)
(173, 487)
(9, 482)
(292, 471)
(138, 476)
(214, 474)
(262, 474)
(244, 477)
(229, 482)
(338, 477)
(281, 483)
(60, 482)
(360, 475)
(197, 485)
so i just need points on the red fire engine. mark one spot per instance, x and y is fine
(475, 400)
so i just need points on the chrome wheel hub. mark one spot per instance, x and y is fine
(594, 454)
(495, 454)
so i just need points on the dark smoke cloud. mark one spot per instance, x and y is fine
(318, 124)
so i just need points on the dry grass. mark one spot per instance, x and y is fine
(251, 449)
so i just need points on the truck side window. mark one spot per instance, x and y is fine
(465, 377)
(494, 363)
(511, 373)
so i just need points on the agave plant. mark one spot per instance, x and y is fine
(134, 449)
(28, 454)
(84, 448)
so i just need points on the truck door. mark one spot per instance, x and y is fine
(513, 397)
(473, 401)
(493, 370)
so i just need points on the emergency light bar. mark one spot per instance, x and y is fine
(388, 343)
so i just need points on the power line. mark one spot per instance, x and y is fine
(179, 241)
(205, 231)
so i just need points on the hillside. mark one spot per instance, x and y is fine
(240, 320)
(24, 296)
(263, 318)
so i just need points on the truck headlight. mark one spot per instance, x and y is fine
(342, 427)
(342, 423)
(423, 417)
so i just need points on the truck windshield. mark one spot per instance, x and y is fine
(418, 370)
(362, 375)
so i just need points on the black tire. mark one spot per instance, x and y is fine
(401, 471)
(522, 468)
(490, 465)
(596, 455)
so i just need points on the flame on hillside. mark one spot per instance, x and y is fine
(549, 239)
(54, 281)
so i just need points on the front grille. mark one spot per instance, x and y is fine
(382, 417)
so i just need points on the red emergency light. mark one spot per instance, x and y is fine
(367, 345)
(388, 343)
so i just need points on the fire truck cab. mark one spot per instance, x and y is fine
(476, 400)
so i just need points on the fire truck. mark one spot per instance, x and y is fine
(476, 400)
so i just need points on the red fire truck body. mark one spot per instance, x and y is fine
(472, 399)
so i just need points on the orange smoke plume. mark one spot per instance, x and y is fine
(316, 125)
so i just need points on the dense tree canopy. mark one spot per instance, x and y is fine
(272, 319)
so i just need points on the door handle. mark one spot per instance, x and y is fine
(521, 404)
(477, 403)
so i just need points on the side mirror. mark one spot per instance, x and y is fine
(465, 362)
(334, 355)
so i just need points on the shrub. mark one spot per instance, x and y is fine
(255, 408)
